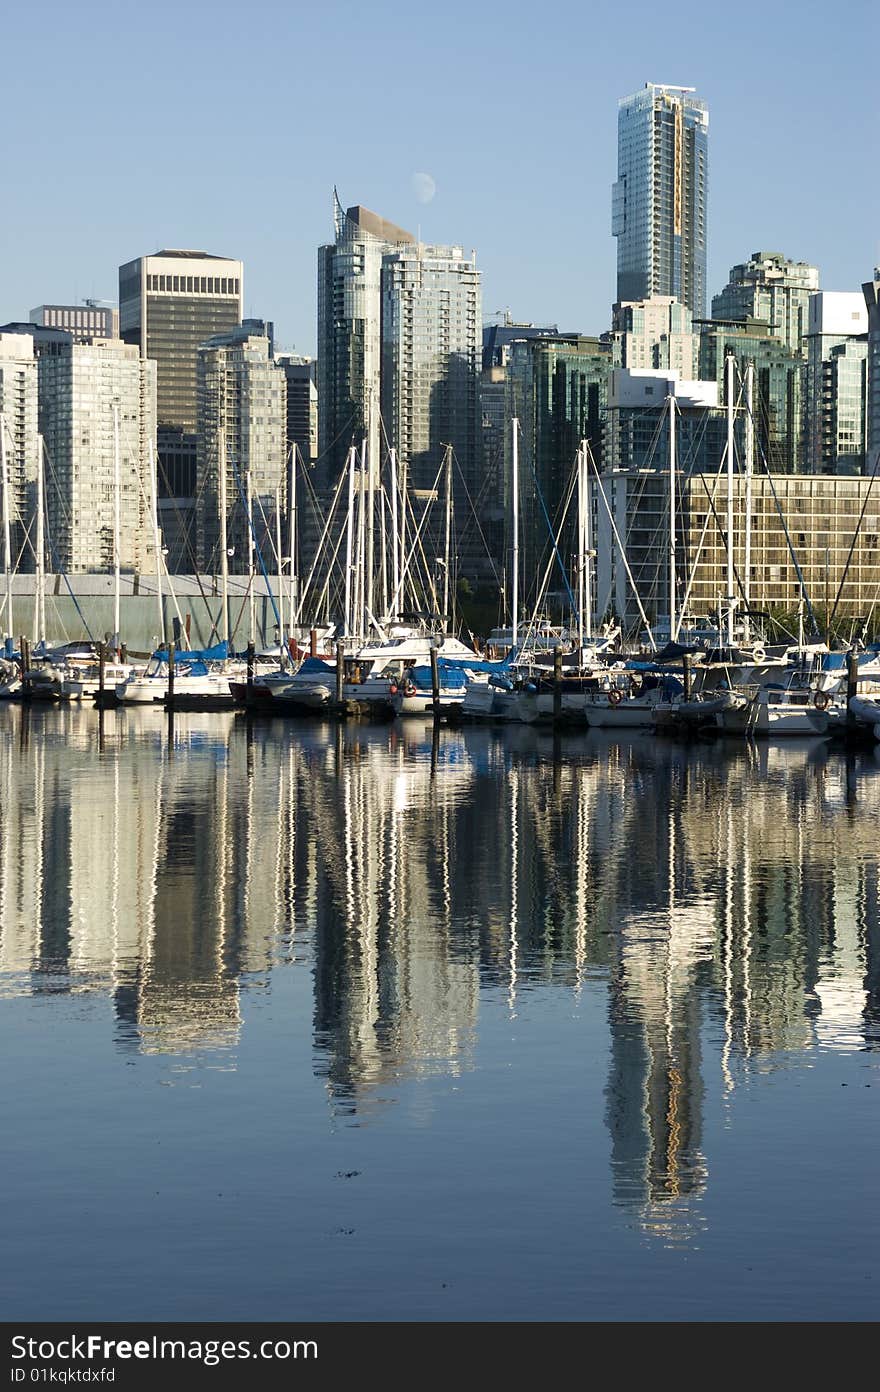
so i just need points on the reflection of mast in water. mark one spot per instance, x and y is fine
(514, 889)
(582, 875)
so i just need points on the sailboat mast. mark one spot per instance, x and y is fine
(394, 536)
(731, 598)
(673, 625)
(370, 451)
(588, 550)
(252, 602)
(117, 484)
(40, 594)
(7, 541)
(349, 542)
(280, 567)
(448, 536)
(362, 545)
(291, 538)
(224, 554)
(581, 460)
(515, 487)
(750, 465)
(157, 550)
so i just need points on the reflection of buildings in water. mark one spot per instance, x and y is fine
(22, 843)
(655, 1089)
(392, 995)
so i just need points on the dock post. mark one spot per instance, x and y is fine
(171, 678)
(686, 661)
(435, 683)
(25, 650)
(557, 684)
(852, 687)
(251, 653)
(339, 671)
(313, 642)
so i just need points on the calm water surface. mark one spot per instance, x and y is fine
(312, 1022)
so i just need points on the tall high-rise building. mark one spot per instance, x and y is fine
(659, 202)
(18, 423)
(871, 291)
(169, 304)
(88, 395)
(302, 405)
(837, 370)
(432, 343)
(772, 288)
(84, 322)
(350, 332)
(242, 420)
(557, 390)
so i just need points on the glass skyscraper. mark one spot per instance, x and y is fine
(659, 202)
(350, 333)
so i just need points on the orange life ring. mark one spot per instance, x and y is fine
(392, 690)
(409, 688)
(615, 696)
(821, 700)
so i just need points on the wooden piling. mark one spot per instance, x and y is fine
(251, 654)
(686, 661)
(852, 687)
(340, 651)
(435, 683)
(25, 650)
(170, 697)
(557, 684)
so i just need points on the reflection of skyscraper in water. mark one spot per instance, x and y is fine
(655, 1089)
(185, 994)
(391, 995)
(22, 842)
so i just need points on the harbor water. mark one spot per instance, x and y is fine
(349, 1022)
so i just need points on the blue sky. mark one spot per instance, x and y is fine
(224, 127)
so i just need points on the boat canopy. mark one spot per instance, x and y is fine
(219, 653)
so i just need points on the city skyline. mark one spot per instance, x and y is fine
(452, 181)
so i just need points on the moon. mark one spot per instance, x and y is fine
(423, 187)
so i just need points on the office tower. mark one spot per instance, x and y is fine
(431, 354)
(655, 333)
(84, 389)
(350, 333)
(659, 202)
(21, 446)
(302, 405)
(242, 427)
(771, 288)
(84, 322)
(495, 489)
(779, 380)
(557, 390)
(837, 371)
(169, 304)
(871, 291)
